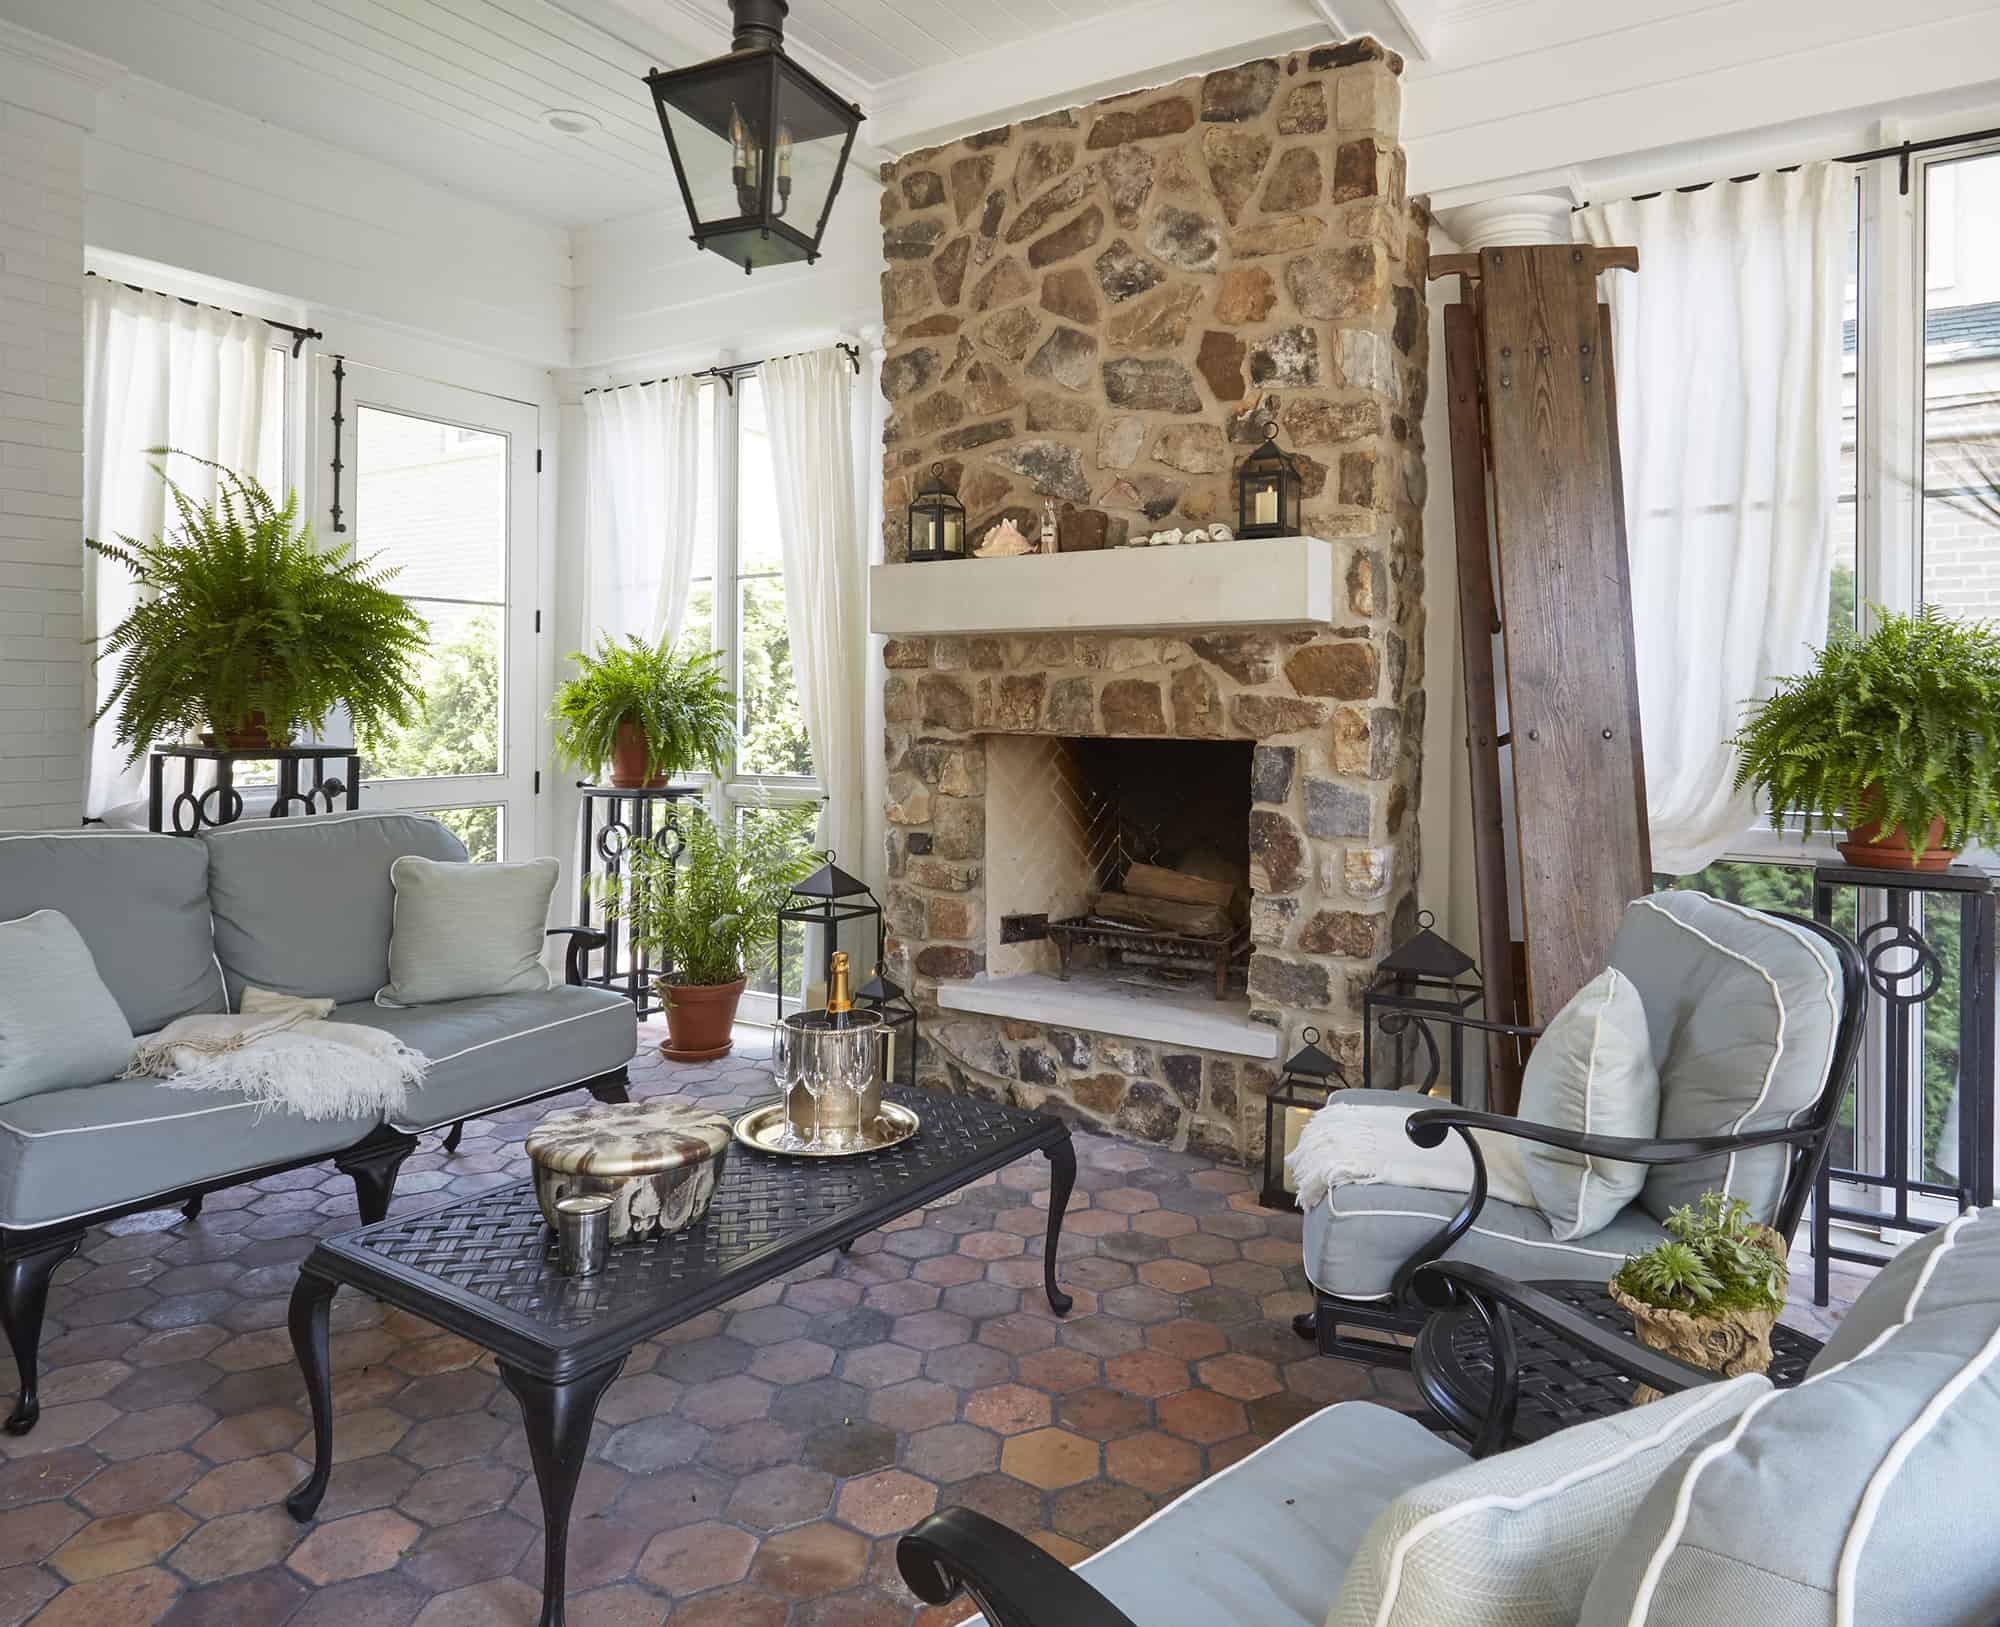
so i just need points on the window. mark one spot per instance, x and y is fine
(736, 605)
(1922, 382)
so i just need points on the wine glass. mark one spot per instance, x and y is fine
(813, 1075)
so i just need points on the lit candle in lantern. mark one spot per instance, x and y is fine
(1267, 506)
(1296, 1120)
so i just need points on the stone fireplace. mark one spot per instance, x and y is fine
(1100, 308)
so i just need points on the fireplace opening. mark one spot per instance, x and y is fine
(1129, 859)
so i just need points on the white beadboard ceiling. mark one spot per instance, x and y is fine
(456, 91)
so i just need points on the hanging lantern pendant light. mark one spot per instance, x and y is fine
(751, 134)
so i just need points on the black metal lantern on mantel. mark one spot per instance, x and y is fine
(937, 521)
(1269, 491)
(758, 144)
(848, 917)
(1423, 980)
(883, 996)
(1306, 1085)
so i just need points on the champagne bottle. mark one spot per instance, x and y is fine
(838, 1002)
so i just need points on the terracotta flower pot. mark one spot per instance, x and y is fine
(699, 1019)
(629, 760)
(1868, 845)
(251, 734)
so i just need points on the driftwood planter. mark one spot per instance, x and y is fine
(1730, 1343)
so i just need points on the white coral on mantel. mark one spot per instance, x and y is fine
(1166, 539)
(1002, 542)
(1220, 533)
(1198, 534)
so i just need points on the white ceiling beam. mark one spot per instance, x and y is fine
(1102, 54)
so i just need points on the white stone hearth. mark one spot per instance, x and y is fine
(1264, 583)
(1103, 1003)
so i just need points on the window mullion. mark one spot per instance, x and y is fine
(1892, 353)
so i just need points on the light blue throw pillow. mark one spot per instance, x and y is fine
(1591, 1071)
(463, 930)
(59, 1025)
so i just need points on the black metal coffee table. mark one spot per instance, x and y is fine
(1558, 1383)
(484, 1268)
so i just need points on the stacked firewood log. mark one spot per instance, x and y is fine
(1164, 900)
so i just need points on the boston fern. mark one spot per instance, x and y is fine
(710, 913)
(1901, 726)
(241, 616)
(679, 702)
(1716, 1258)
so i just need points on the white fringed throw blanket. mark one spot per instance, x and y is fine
(1362, 1144)
(279, 1053)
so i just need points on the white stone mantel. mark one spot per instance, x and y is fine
(1099, 1003)
(1263, 582)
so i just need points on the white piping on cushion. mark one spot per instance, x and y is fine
(523, 1033)
(1778, 1045)
(1649, 1581)
(243, 826)
(1589, 1095)
(1708, 1399)
(494, 1107)
(1437, 1219)
(1814, 949)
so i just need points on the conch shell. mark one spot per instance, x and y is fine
(1002, 542)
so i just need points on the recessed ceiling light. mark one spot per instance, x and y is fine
(570, 122)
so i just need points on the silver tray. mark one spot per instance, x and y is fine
(762, 1128)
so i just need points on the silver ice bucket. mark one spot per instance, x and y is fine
(847, 1059)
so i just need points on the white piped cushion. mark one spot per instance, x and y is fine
(1513, 1540)
(1591, 1071)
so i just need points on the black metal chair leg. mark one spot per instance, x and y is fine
(612, 1095)
(24, 1295)
(373, 1164)
(1062, 1180)
(453, 1136)
(312, 1297)
(1306, 1326)
(557, 1418)
(191, 1210)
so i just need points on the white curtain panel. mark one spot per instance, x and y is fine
(1727, 345)
(157, 372)
(645, 488)
(816, 418)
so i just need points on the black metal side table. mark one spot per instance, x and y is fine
(1905, 954)
(222, 803)
(484, 1268)
(1558, 1384)
(615, 821)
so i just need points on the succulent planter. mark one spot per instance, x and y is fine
(1728, 1343)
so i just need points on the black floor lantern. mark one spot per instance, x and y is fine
(758, 144)
(848, 916)
(1306, 1085)
(1422, 981)
(883, 996)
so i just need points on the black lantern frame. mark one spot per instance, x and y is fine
(1307, 1084)
(761, 104)
(1423, 981)
(883, 996)
(936, 521)
(832, 900)
(1270, 491)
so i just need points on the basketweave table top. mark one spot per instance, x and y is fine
(484, 1267)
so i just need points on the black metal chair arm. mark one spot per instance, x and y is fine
(1013, 1581)
(582, 939)
(1625, 1355)
(1429, 1127)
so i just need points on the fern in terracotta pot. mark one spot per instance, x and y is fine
(708, 912)
(1895, 735)
(644, 711)
(1710, 1295)
(248, 631)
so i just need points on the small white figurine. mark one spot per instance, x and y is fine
(1166, 539)
(1220, 533)
(1198, 534)
(1003, 541)
(1049, 526)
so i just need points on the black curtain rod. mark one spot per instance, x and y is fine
(728, 372)
(299, 335)
(1902, 151)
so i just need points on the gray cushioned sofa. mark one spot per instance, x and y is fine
(178, 925)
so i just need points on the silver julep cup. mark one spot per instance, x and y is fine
(848, 1058)
(583, 1235)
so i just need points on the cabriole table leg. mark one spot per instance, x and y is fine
(558, 1418)
(1062, 1179)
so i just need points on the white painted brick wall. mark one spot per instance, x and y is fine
(41, 470)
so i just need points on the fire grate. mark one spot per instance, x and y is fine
(1091, 932)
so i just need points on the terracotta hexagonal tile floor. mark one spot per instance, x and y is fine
(753, 1468)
